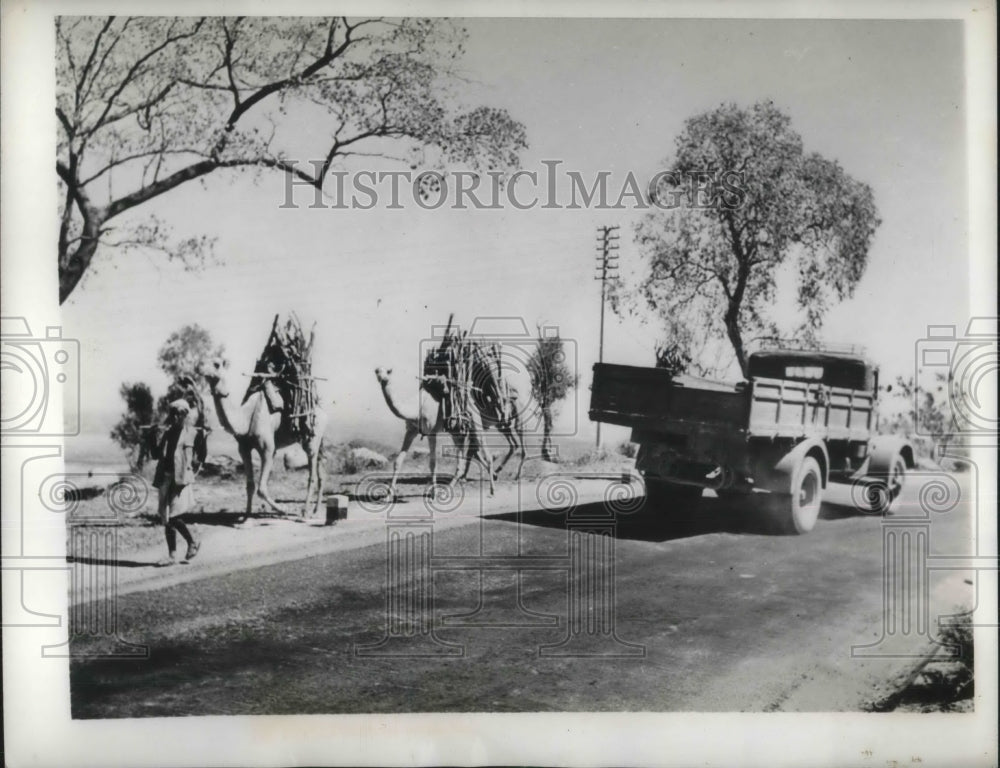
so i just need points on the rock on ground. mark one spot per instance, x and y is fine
(365, 458)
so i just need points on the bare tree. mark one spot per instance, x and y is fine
(146, 104)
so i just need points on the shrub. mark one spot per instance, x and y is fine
(628, 449)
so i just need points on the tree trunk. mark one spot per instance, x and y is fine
(547, 433)
(732, 318)
(73, 266)
(736, 339)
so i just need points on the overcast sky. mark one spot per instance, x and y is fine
(886, 99)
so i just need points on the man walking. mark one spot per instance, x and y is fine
(174, 479)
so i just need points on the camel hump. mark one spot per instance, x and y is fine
(275, 402)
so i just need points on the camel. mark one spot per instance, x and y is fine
(498, 410)
(257, 429)
(429, 420)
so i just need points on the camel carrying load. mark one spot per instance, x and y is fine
(280, 408)
(463, 392)
(284, 374)
(473, 372)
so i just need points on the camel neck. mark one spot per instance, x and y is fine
(223, 409)
(390, 401)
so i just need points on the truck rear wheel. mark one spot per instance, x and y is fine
(882, 491)
(673, 498)
(798, 511)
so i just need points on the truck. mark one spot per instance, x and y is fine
(802, 418)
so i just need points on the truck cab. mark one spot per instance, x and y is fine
(832, 369)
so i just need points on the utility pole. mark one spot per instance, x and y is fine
(607, 269)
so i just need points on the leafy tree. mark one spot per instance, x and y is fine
(185, 351)
(742, 200)
(134, 432)
(180, 357)
(926, 413)
(673, 357)
(146, 104)
(551, 380)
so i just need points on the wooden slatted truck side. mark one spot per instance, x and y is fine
(803, 419)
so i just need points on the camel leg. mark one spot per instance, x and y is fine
(511, 447)
(518, 435)
(461, 470)
(320, 472)
(489, 471)
(315, 477)
(523, 452)
(310, 461)
(481, 454)
(267, 462)
(397, 463)
(432, 447)
(488, 464)
(247, 456)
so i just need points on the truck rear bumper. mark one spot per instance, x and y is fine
(661, 462)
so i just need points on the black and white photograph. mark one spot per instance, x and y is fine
(492, 384)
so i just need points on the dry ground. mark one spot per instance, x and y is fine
(267, 619)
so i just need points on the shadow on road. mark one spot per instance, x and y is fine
(224, 517)
(651, 524)
(419, 487)
(117, 563)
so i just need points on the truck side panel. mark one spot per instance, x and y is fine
(783, 408)
(851, 414)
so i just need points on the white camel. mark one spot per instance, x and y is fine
(428, 419)
(257, 429)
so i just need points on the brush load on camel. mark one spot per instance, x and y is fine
(463, 393)
(473, 374)
(280, 408)
(284, 374)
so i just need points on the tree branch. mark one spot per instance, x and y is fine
(135, 156)
(133, 70)
(157, 188)
(227, 57)
(90, 60)
(67, 126)
(104, 58)
(327, 58)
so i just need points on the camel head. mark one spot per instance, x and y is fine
(214, 372)
(383, 374)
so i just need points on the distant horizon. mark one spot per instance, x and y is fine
(96, 446)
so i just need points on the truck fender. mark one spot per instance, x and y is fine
(883, 449)
(780, 475)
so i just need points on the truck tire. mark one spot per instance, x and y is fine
(883, 490)
(797, 512)
(675, 499)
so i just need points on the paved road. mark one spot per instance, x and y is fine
(710, 613)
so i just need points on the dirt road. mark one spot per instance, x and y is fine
(709, 613)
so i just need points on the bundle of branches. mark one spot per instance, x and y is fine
(286, 366)
(471, 373)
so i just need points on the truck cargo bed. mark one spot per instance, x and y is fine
(651, 398)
